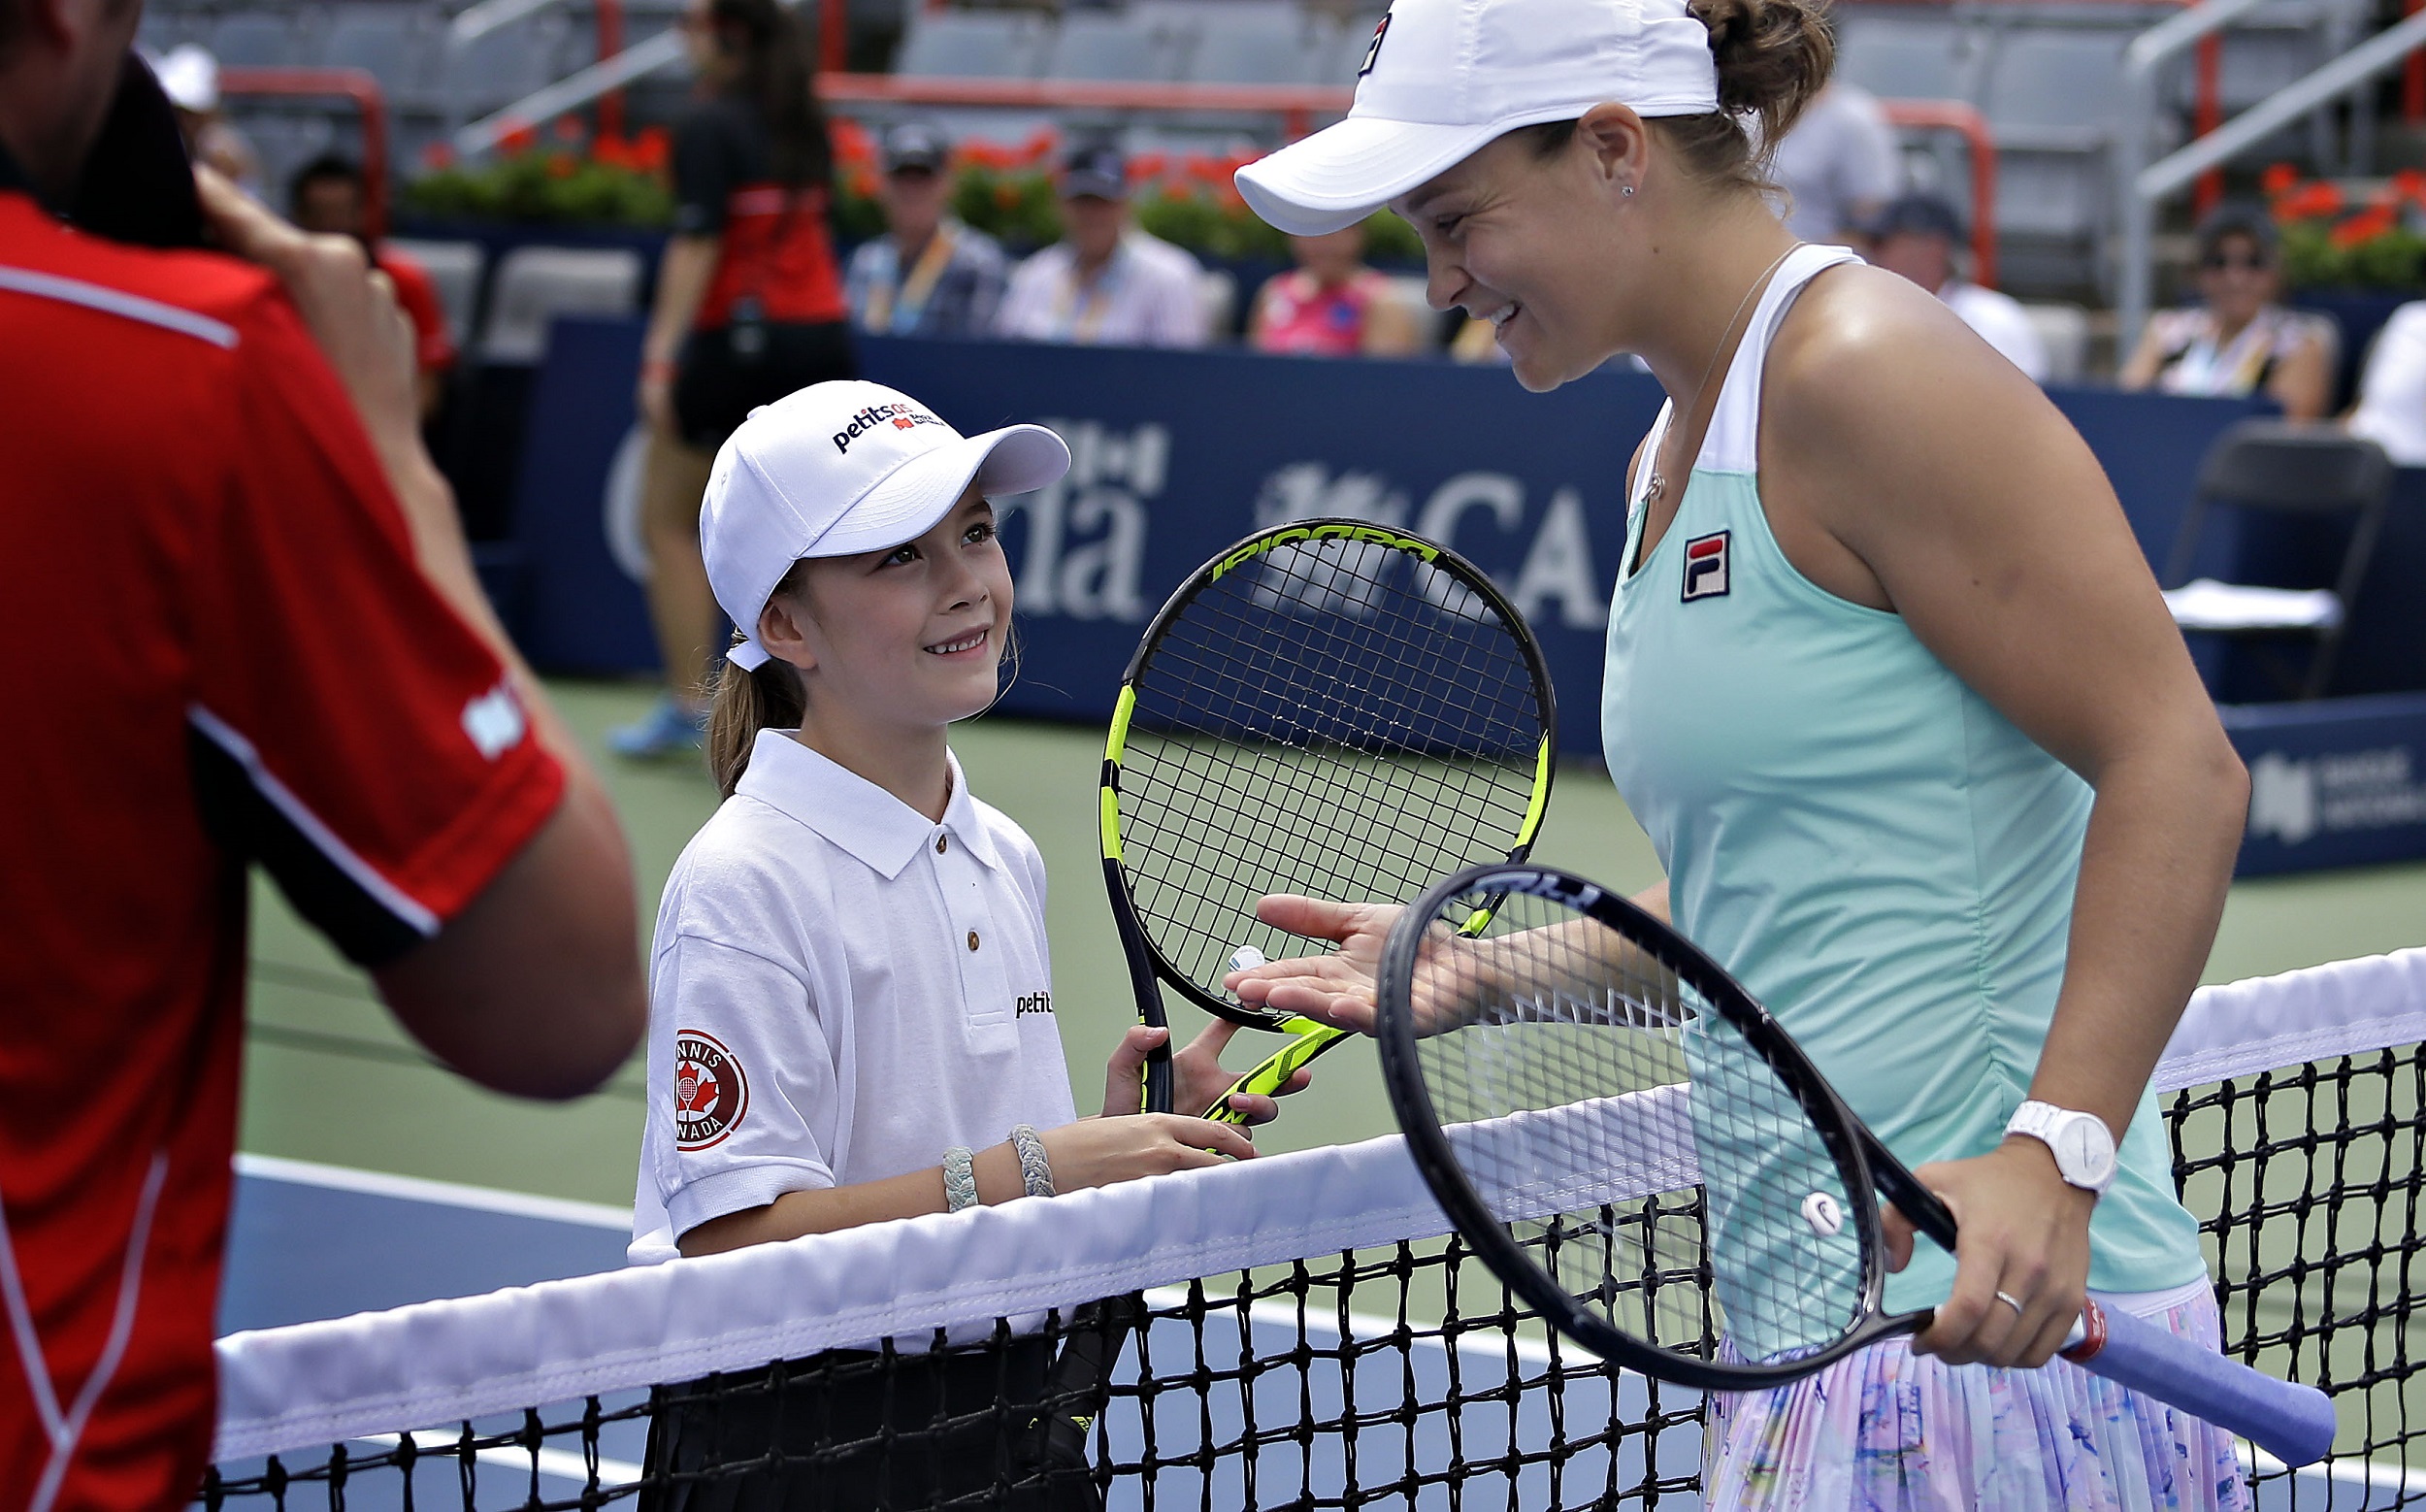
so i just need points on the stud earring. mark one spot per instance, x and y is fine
(1628, 191)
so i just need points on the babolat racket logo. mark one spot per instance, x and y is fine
(709, 1092)
(1373, 50)
(1706, 567)
(1331, 532)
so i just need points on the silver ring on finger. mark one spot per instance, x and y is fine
(2007, 1298)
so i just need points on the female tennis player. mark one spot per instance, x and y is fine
(851, 1002)
(1892, 691)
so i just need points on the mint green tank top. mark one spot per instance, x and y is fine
(1868, 845)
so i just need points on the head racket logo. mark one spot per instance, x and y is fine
(1706, 567)
(1825, 1214)
(709, 1092)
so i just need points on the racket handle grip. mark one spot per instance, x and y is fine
(1158, 1094)
(2293, 1423)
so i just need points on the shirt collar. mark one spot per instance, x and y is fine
(875, 827)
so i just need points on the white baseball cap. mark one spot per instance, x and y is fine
(1445, 77)
(837, 468)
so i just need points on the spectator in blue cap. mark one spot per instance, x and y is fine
(1106, 282)
(928, 274)
(1916, 236)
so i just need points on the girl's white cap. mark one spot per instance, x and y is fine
(1444, 78)
(837, 468)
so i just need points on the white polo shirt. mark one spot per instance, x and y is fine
(1147, 296)
(840, 991)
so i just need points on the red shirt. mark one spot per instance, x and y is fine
(219, 652)
(433, 349)
(774, 246)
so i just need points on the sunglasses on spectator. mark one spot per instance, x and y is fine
(2225, 262)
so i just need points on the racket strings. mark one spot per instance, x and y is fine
(1585, 1091)
(1334, 718)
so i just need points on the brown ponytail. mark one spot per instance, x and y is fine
(1774, 58)
(767, 697)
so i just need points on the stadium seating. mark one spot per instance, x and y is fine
(974, 45)
(454, 268)
(534, 285)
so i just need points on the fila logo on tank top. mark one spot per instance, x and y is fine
(1706, 567)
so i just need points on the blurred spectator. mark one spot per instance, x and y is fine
(1105, 283)
(190, 77)
(2237, 340)
(1839, 166)
(1330, 304)
(1477, 342)
(2392, 393)
(330, 194)
(928, 274)
(750, 307)
(1916, 236)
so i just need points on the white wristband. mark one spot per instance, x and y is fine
(960, 1178)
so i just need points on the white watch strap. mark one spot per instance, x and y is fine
(2054, 1127)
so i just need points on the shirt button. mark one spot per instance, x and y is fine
(938, 844)
(972, 939)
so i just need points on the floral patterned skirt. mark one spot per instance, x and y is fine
(1888, 1431)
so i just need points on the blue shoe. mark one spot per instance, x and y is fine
(666, 729)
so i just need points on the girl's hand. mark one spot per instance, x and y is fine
(2024, 1232)
(1336, 989)
(1096, 1151)
(1197, 1076)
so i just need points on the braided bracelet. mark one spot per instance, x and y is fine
(960, 1178)
(1033, 1165)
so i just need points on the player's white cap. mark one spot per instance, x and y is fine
(1444, 78)
(837, 468)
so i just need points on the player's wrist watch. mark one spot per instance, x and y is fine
(2083, 1145)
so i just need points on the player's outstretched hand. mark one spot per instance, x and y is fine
(1197, 1076)
(2023, 1233)
(1096, 1151)
(1335, 988)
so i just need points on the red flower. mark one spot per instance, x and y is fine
(2278, 180)
(851, 143)
(611, 152)
(518, 138)
(2364, 226)
(1039, 144)
(567, 128)
(2309, 201)
(438, 156)
(2410, 184)
(652, 149)
(560, 165)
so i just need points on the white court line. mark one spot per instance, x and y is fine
(2369, 1475)
(445, 1194)
(556, 1463)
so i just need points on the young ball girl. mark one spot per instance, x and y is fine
(851, 1011)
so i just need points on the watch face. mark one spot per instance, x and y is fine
(2083, 1155)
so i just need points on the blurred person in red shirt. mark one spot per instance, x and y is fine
(247, 631)
(330, 195)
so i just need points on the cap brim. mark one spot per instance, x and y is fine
(1017, 459)
(1345, 172)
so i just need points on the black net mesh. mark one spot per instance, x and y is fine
(1333, 718)
(1403, 1375)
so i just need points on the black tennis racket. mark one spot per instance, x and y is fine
(1330, 707)
(1642, 1154)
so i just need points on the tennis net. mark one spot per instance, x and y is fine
(1297, 1330)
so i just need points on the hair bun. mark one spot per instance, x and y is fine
(1774, 57)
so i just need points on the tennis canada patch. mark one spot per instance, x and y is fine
(709, 1092)
(1706, 567)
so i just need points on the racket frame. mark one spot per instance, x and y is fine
(1847, 1144)
(1148, 968)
